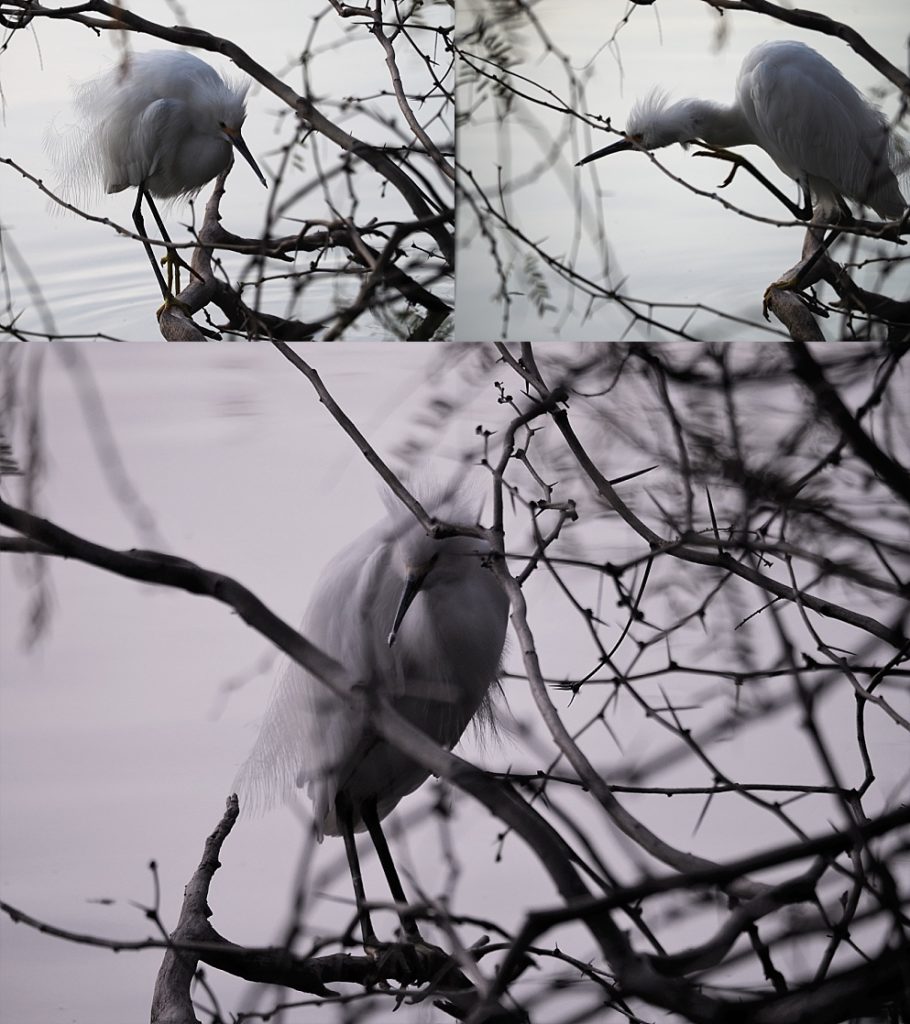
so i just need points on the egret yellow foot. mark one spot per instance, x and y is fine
(415, 962)
(172, 263)
(170, 302)
(785, 284)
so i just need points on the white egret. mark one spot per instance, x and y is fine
(418, 621)
(803, 113)
(164, 123)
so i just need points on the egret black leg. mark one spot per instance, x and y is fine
(807, 208)
(140, 227)
(156, 215)
(818, 247)
(346, 821)
(371, 820)
(174, 259)
(170, 256)
(803, 212)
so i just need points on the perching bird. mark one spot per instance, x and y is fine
(165, 123)
(808, 118)
(418, 621)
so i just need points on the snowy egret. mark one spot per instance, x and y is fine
(803, 113)
(418, 621)
(165, 123)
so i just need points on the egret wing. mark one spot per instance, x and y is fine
(310, 734)
(817, 127)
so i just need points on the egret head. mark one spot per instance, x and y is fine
(654, 122)
(231, 133)
(426, 564)
(219, 110)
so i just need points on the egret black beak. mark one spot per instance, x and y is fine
(412, 586)
(617, 147)
(236, 140)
